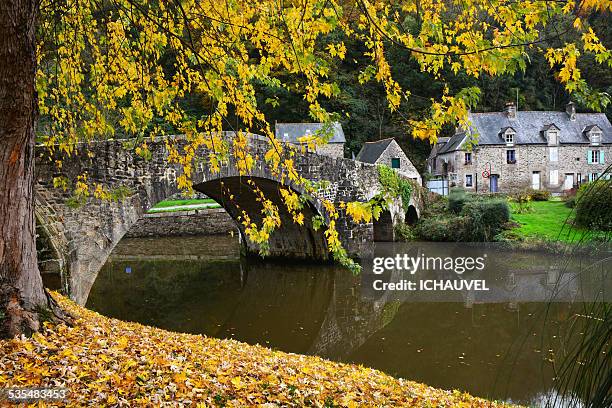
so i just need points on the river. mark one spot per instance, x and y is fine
(497, 350)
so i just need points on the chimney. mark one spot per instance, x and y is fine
(511, 110)
(570, 109)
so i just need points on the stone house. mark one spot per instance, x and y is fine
(292, 132)
(389, 153)
(515, 150)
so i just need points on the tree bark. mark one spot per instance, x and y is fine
(21, 287)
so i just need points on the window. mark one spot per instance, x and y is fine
(594, 176)
(509, 138)
(579, 178)
(468, 180)
(395, 163)
(554, 177)
(468, 158)
(553, 138)
(593, 156)
(553, 154)
(510, 156)
(596, 137)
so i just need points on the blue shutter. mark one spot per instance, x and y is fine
(589, 157)
(601, 157)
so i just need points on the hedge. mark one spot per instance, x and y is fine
(442, 229)
(486, 219)
(479, 220)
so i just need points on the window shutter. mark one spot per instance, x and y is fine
(601, 157)
(589, 157)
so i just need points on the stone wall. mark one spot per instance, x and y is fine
(571, 159)
(335, 150)
(210, 221)
(91, 229)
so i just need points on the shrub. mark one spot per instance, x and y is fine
(404, 232)
(434, 204)
(486, 219)
(539, 195)
(441, 229)
(594, 205)
(522, 202)
(457, 198)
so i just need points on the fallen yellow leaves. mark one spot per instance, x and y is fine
(105, 361)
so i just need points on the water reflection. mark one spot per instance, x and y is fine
(201, 285)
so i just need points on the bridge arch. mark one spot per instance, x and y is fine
(412, 215)
(89, 233)
(383, 227)
(290, 239)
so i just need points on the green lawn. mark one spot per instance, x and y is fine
(547, 221)
(175, 205)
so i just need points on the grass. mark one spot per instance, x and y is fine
(176, 205)
(550, 221)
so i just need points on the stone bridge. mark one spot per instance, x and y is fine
(78, 239)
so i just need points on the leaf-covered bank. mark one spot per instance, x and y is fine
(105, 361)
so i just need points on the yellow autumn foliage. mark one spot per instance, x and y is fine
(125, 71)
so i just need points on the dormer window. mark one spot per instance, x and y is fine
(596, 138)
(551, 134)
(507, 135)
(594, 133)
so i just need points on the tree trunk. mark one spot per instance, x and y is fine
(21, 287)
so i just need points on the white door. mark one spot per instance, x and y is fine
(569, 182)
(535, 180)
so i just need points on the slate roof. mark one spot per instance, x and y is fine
(590, 127)
(530, 124)
(291, 132)
(371, 151)
(454, 143)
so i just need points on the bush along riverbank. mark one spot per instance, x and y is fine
(103, 361)
(527, 220)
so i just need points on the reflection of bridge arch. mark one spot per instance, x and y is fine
(90, 232)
